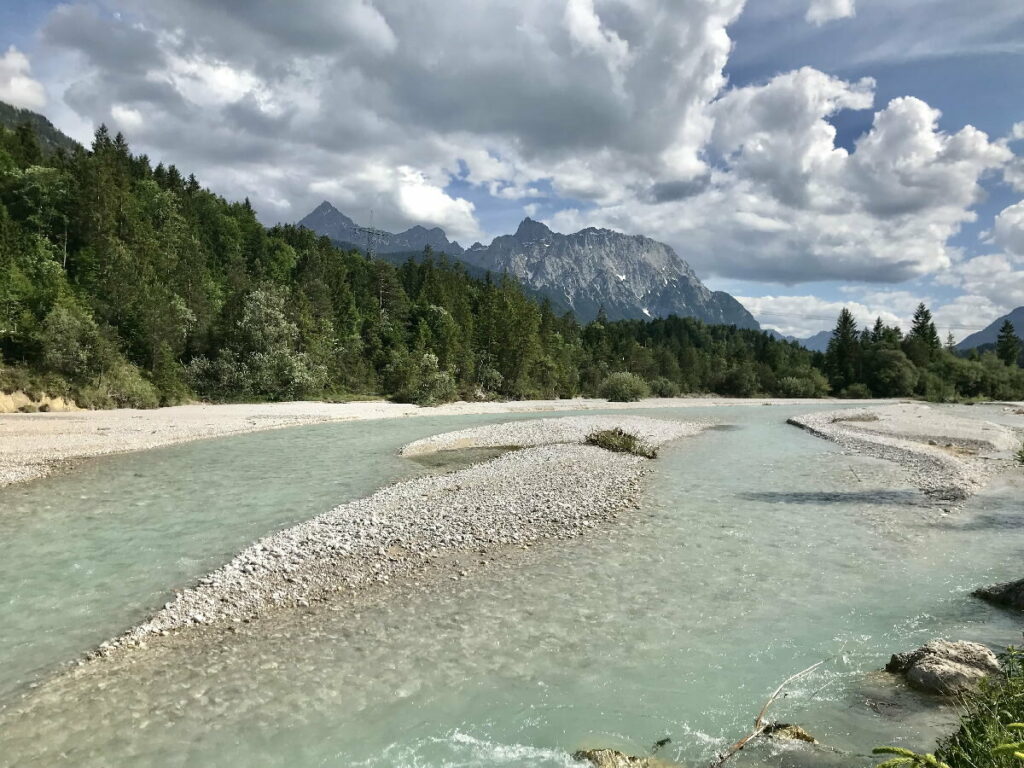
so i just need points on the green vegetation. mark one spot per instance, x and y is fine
(125, 284)
(989, 735)
(988, 726)
(883, 362)
(620, 441)
(905, 757)
(624, 387)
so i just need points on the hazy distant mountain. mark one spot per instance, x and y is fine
(327, 220)
(50, 139)
(818, 342)
(991, 333)
(630, 276)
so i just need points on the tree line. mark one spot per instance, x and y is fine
(128, 284)
(882, 361)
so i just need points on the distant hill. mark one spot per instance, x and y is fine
(327, 220)
(818, 342)
(50, 138)
(991, 332)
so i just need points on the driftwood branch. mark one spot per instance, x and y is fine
(760, 724)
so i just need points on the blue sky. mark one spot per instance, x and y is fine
(790, 150)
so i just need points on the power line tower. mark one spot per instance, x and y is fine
(373, 237)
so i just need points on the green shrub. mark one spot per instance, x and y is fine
(620, 441)
(662, 387)
(427, 385)
(987, 725)
(623, 387)
(122, 386)
(856, 391)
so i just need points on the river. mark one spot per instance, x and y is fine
(758, 551)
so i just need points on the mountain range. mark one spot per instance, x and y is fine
(990, 333)
(327, 220)
(628, 276)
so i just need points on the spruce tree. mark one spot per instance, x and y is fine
(1007, 344)
(842, 359)
(923, 328)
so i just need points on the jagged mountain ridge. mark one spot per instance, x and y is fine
(629, 276)
(327, 220)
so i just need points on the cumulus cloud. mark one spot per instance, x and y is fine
(804, 316)
(17, 85)
(620, 109)
(822, 11)
(1008, 231)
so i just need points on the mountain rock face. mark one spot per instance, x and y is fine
(990, 334)
(630, 276)
(327, 220)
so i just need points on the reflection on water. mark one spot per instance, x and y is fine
(676, 622)
(872, 496)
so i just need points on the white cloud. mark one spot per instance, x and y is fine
(17, 86)
(127, 118)
(379, 106)
(587, 34)
(1008, 232)
(822, 11)
(803, 316)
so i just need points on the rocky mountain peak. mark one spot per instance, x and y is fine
(532, 230)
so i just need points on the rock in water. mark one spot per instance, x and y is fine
(788, 731)
(610, 758)
(944, 667)
(1009, 594)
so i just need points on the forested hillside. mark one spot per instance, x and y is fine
(124, 284)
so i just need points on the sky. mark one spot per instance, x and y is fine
(803, 155)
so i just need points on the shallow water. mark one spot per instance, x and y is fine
(758, 551)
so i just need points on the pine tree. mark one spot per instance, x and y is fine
(923, 328)
(842, 359)
(1007, 344)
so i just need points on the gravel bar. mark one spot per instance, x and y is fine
(949, 458)
(544, 491)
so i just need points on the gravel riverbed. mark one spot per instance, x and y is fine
(33, 445)
(948, 457)
(554, 488)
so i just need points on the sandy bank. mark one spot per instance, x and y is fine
(546, 491)
(35, 445)
(949, 454)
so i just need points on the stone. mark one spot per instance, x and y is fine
(1009, 594)
(790, 732)
(944, 667)
(611, 758)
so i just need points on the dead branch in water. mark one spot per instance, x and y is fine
(760, 725)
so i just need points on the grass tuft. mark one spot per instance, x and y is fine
(620, 441)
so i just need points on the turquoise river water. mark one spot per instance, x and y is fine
(758, 551)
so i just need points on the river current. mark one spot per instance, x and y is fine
(758, 550)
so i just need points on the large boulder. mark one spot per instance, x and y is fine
(610, 758)
(1009, 594)
(945, 667)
